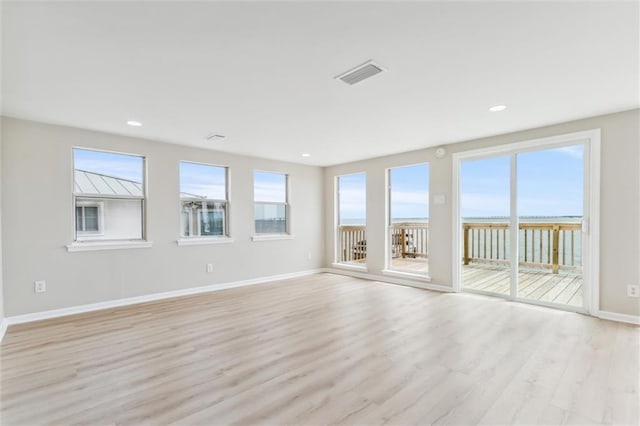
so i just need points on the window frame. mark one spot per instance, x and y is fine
(287, 234)
(337, 219)
(112, 243)
(100, 212)
(226, 228)
(389, 270)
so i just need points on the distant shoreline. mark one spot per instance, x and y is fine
(535, 219)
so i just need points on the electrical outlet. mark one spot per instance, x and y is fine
(209, 267)
(633, 290)
(40, 286)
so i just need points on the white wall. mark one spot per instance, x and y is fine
(620, 210)
(37, 172)
(2, 310)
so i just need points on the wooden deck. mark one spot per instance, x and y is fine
(563, 288)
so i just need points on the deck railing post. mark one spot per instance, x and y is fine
(556, 243)
(403, 240)
(466, 244)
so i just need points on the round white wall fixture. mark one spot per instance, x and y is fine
(441, 152)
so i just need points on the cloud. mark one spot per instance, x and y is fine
(270, 192)
(575, 151)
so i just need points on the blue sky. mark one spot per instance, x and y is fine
(409, 191)
(409, 194)
(203, 180)
(549, 184)
(352, 195)
(117, 165)
(270, 187)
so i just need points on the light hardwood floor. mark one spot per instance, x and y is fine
(318, 350)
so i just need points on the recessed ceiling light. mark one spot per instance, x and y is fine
(134, 123)
(306, 154)
(498, 108)
(214, 137)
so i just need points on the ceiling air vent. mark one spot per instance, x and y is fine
(213, 137)
(359, 73)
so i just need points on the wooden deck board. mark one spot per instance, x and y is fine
(563, 288)
(560, 288)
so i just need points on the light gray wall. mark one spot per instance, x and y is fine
(37, 222)
(2, 310)
(620, 190)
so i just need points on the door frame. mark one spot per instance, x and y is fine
(591, 222)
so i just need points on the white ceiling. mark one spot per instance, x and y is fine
(262, 73)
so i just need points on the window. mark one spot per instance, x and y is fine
(408, 219)
(89, 218)
(352, 217)
(203, 200)
(271, 198)
(108, 195)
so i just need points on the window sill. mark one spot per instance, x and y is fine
(272, 237)
(203, 241)
(110, 245)
(350, 267)
(409, 275)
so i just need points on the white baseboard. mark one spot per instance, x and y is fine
(3, 328)
(55, 313)
(390, 279)
(614, 316)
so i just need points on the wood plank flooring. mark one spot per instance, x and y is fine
(324, 349)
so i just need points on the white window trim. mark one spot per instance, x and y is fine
(336, 221)
(410, 275)
(91, 245)
(201, 241)
(107, 245)
(389, 270)
(100, 206)
(226, 226)
(272, 237)
(288, 234)
(350, 267)
(591, 274)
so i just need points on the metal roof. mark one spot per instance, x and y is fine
(98, 184)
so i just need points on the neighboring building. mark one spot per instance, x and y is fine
(108, 208)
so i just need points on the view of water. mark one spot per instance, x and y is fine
(498, 219)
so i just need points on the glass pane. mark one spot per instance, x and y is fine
(269, 187)
(352, 218)
(352, 199)
(409, 216)
(212, 223)
(270, 218)
(550, 210)
(203, 218)
(91, 219)
(113, 219)
(79, 219)
(202, 181)
(485, 205)
(105, 173)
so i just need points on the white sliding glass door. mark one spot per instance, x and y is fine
(522, 215)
